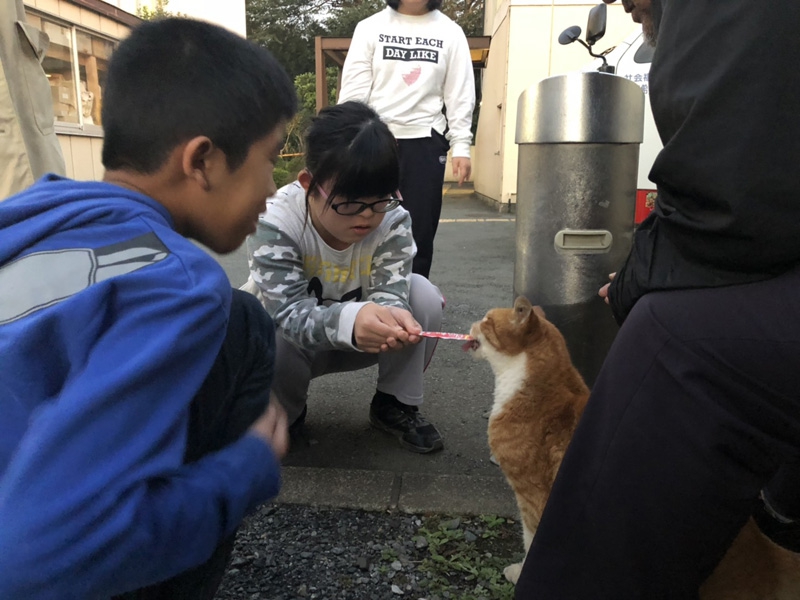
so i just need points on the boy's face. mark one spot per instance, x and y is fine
(229, 211)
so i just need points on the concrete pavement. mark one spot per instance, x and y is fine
(343, 462)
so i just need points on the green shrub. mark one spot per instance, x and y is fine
(281, 177)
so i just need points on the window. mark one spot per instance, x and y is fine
(93, 55)
(76, 64)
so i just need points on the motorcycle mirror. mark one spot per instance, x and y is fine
(596, 25)
(569, 35)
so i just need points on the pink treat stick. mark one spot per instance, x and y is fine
(446, 336)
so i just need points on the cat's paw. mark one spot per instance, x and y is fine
(512, 572)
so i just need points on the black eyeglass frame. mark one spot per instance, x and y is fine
(391, 202)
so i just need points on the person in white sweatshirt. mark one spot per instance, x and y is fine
(408, 62)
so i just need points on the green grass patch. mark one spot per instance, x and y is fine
(462, 558)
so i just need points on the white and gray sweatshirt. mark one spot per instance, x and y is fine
(406, 68)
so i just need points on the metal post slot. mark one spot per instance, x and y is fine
(583, 241)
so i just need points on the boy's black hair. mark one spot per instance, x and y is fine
(174, 79)
(351, 147)
(432, 4)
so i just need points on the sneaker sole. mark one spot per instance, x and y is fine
(399, 435)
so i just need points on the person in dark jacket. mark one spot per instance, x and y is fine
(696, 409)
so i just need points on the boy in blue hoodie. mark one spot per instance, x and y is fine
(134, 383)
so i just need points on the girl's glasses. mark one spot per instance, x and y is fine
(349, 209)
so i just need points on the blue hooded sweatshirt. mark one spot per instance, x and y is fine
(109, 324)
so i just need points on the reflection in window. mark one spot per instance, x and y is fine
(77, 93)
(57, 66)
(93, 55)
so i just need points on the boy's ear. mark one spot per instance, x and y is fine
(304, 177)
(198, 158)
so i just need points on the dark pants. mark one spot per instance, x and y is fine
(233, 396)
(696, 408)
(422, 164)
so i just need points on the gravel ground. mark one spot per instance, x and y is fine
(293, 552)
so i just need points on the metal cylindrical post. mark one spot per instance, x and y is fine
(578, 137)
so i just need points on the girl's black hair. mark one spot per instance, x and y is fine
(173, 79)
(432, 4)
(348, 146)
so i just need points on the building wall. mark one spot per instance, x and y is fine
(488, 173)
(525, 46)
(82, 156)
(79, 16)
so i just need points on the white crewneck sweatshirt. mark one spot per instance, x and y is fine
(406, 67)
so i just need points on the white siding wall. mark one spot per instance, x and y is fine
(524, 51)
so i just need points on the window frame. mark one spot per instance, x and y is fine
(80, 128)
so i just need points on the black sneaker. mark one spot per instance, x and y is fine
(388, 414)
(784, 532)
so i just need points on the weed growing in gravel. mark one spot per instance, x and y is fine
(292, 552)
(389, 554)
(471, 551)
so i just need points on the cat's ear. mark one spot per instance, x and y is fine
(539, 312)
(522, 309)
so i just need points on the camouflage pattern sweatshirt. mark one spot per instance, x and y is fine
(314, 292)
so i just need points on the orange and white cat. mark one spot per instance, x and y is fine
(539, 397)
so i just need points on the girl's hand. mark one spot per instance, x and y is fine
(383, 328)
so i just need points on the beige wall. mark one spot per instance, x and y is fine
(490, 138)
(82, 156)
(524, 51)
